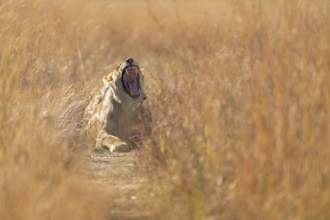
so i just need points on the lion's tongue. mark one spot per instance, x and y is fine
(133, 87)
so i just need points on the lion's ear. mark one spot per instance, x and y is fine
(118, 67)
(107, 79)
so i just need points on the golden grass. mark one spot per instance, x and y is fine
(239, 92)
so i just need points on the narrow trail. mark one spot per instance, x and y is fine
(120, 179)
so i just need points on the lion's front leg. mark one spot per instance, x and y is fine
(111, 143)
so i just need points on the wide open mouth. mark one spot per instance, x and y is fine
(130, 81)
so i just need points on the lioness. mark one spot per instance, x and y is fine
(117, 114)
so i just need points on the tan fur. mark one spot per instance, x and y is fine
(116, 119)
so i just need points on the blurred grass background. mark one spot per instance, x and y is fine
(239, 92)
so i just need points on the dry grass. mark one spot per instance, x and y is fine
(239, 92)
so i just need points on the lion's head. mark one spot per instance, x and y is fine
(130, 77)
(127, 81)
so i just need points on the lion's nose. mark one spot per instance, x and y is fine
(130, 61)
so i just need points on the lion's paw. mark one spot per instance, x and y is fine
(120, 148)
(116, 145)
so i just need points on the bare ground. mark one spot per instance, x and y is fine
(121, 180)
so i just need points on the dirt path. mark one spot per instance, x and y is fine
(118, 174)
